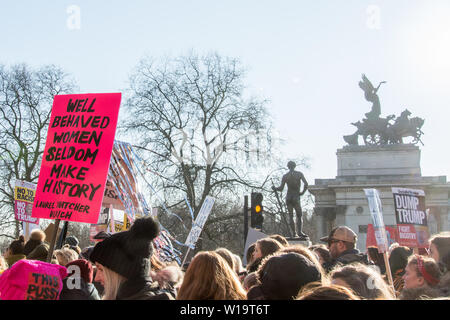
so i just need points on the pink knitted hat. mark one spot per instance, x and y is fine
(32, 280)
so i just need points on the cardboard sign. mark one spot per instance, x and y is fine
(376, 212)
(23, 201)
(197, 228)
(76, 157)
(411, 217)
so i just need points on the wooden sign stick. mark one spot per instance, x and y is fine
(53, 241)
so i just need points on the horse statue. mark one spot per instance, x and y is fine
(380, 131)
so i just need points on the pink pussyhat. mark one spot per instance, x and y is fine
(32, 280)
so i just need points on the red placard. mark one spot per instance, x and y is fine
(76, 157)
(391, 233)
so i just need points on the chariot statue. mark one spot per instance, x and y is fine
(381, 131)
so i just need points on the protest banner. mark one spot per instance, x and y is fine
(23, 201)
(411, 217)
(376, 212)
(102, 224)
(391, 235)
(197, 226)
(76, 157)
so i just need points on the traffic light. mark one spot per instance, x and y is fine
(256, 210)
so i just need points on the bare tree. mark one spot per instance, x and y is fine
(192, 115)
(26, 98)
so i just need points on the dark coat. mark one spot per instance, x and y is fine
(87, 291)
(144, 289)
(347, 257)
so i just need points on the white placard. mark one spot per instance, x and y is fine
(200, 221)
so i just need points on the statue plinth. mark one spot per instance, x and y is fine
(398, 159)
(299, 240)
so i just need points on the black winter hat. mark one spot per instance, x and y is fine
(128, 252)
(283, 276)
(72, 241)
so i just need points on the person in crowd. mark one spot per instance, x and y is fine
(421, 279)
(209, 277)
(280, 239)
(250, 280)
(322, 253)
(263, 248)
(73, 244)
(78, 284)
(392, 247)
(249, 254)
(123, 263)
(238, 268)
(36, 248)
(282, 275)
(439, 250)
(227, 255)
(65, 255)
(377, 259)
(32, 280)
(342, 245)
(327, 292)
(169, 277)
(85, 254)
(14, 252)
(366, 282)
(304, 251)
(398, 259)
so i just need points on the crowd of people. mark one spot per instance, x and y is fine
(124, 266)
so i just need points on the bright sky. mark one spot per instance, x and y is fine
(307, 57)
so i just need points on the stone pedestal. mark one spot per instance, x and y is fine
(342, 201)
(378, 160)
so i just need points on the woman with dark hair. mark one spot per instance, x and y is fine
(263, 248)
(439, 250)
(398, 259)
(421, 279)
(209, 277)
(14, 252)
(322, 253)
(377, 258)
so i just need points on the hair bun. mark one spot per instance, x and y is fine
(21, 238)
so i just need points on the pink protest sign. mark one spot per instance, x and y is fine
(76, 157)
